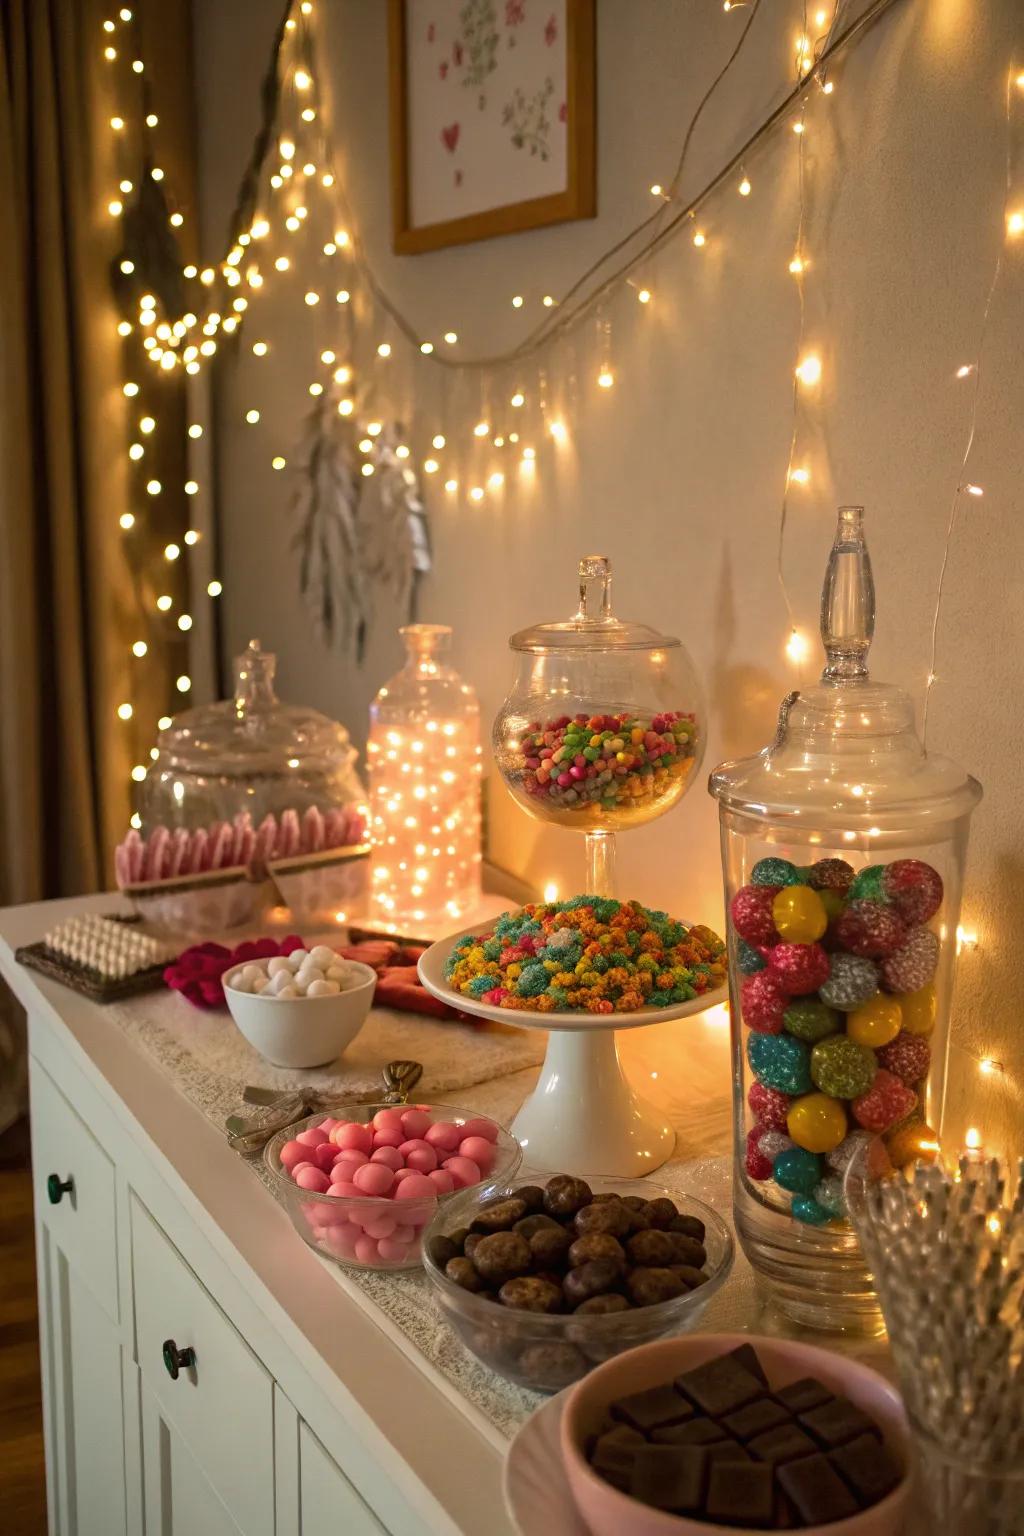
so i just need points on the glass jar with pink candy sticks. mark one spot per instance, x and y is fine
(362, 1182)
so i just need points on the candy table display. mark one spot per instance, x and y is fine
(843, 848)
(603, 730)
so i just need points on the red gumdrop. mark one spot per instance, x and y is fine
(886, 1102)
(769, 1107)
(914, 888)
(798, 968)
(757, 1165)
(870, 929)
(751, 911)
(763, 1003)
(908, 1057)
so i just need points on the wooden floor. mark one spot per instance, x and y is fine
(22, 1485)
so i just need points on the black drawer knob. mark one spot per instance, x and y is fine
(177, 1359)
(57, 1188)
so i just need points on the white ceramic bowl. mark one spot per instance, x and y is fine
(607, 1512)
(303, 1031)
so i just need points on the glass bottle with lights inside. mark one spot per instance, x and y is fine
(424, 760)
(843, 848)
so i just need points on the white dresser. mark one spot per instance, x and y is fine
(204, 1372)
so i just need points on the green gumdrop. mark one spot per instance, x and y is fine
(797, 1170)
(842, 1068)
(779, 1061)
(810, 1020)
(807, 1210)
(775, 872)
(867, 886)
(748, 959)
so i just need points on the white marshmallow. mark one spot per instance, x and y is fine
(296, 958)
(309, 972)
(261, 984)
(239, 982)
(323, 988)
(323, 956)
(335, 972)
(278, 963)
(278, 982)
(287, 992)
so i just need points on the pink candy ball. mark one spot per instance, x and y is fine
(404, 1234)
(415, 1122)
(373, 1179)
(387, 1120)
(481, 1127)
(324, 1155)
(297, 1167)
(391, 1157)
(391, 1250)
(327, 1125)
(293, 1152)
(463, 1170)
(442, 1180)
(366, 1249)
(350, 1155)
(479, 1151)
(403, 1173)
(414, 1144)
(388, 1137)
(380, 1226)
(443, 1135)
(341, 1241)
(344, 1189)
(313, 1137)
(350, 1134)
(308, 1177)
(423, 1159)
(416, 1187)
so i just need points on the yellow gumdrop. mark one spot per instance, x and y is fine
(875, 1023)
(817, 1122)
(799, 914)
(918, 1009)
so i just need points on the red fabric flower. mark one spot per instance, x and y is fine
(198, 972)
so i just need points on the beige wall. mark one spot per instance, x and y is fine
(677, 472)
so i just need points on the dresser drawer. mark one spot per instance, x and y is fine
(74, 1190)
(209, 1384)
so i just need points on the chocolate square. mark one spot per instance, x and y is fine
(695, 1431)
(720, 1386)
(837, 1422)
(867, 1468)
(746, 1355)
(651, 1409)
(741, 1495)
(802, 1396)
(613, 1458)
(817, 1490)
(764, 1413)
(727, 1450)
(669, 1477)
(784, 1443)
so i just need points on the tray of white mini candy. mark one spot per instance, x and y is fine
(105, 958)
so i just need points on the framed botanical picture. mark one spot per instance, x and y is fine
(492, 118)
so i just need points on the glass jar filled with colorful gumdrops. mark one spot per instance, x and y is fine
(843, 847)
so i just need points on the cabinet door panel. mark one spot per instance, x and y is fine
(328, 1502)
(179, 1499)
(85, 1415)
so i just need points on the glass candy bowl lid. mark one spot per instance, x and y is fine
(846, 751)
(254, 733)
(593, 627)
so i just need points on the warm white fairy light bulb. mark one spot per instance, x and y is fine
(164, 602)
(744, 187)
(606, 378)
(127, 520)
(384, 350)
(800, 475)
(451, 337)
(796, 646)
(809, 369)
(1015, 223)
(139, 648)
(214, 589)
(438, 440)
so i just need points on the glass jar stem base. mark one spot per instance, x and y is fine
(583, 1117)
(600, 864)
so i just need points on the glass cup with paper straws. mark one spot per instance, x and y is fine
(943, 1236)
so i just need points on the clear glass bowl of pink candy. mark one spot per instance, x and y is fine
(362, 1182)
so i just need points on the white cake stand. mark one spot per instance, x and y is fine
(583, 1117)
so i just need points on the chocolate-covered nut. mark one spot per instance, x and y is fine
(661, 1248)
(469, 1246)
(501, 1256)
(591, 1279)
(442, 1249)
(689, 1226)
(687, 1250)
(532, 1195)
(597, 1306)
(550, 1367)
(647, 1286)
(604, 1198)
(463, 1272)
(528, 1293)
(608, 1216)
(536, 1223)
(564, 1195)
(690, 1277)
(661, 1212)
(499, 1215)
(458, 1237)
(634, 1202)
(596, 1245)
(550, 1247)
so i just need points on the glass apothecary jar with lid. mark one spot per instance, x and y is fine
(843, 850)
(255, 799)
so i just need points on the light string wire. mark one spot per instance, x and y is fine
(964, 487)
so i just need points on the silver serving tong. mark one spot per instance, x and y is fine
(250, 1136)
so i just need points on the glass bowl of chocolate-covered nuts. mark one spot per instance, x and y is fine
(544, 1281)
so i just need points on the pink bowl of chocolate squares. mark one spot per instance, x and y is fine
(712, 1434)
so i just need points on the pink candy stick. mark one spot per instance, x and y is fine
(242, 825)
(199, 851)
(156, 853)
(334, 828)
(136, 849)
(263, 843)
(312, 831)
(221, 840)
(288, 835)
(179, 852)
(121, 866)
(243, 855)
